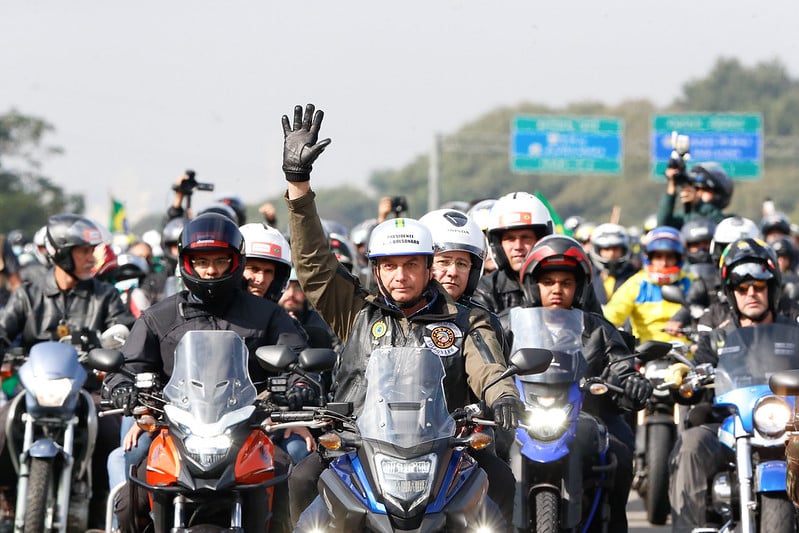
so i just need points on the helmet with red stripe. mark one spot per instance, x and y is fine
(206, 234)
(556, 253)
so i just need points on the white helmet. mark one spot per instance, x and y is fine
(516, 210)
(609, 235)
(481, 212)
(455, 231)
(731, 229)
(400, 236)
(262, 241)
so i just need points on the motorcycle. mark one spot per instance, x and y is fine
(210, 465)
(402, 465)
(751, 494)
(51, 431)
(655, 436)
(560, 455)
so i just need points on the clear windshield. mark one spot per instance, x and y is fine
(751, 355)
(559, 330)
(405, 403)
(210, 376)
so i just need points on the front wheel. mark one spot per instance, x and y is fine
(658, 447)
(777, 513)
(547, 513)
(40, 497)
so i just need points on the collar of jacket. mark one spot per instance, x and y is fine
(83, 289)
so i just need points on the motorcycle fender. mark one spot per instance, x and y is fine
(770, 476)
(44, 448)
(348, 510)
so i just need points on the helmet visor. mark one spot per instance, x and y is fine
(747, 271)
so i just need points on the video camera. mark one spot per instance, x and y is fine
(399, 204)
(188, 186)
(680, 153)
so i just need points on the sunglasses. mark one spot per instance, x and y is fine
(743, 288)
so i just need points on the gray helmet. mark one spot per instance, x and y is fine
(65, 232)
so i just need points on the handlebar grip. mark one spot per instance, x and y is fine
(292, 416)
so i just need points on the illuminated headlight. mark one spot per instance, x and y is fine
(53, 392)
(207, 450)
(771, 415)
(406, 481)
(547, 424)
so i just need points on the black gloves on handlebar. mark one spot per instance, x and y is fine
(123, 396)
(300, 394)
(507, 411)
(300, 148)
(637, 390)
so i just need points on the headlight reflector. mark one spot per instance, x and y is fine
(53, 392)
(406, 481)
(547, 424)
(771, 415)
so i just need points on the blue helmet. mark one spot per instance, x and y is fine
(664, 239)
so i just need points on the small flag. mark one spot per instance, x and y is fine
(556, 220)
(118, 221)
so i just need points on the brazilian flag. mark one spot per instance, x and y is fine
(556, 220)
(118, 221)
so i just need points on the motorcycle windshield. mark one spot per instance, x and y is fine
(405, 403)
(558, 330)
(210, 377)
(750, 355)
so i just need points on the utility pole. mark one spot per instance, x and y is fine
(433, 176)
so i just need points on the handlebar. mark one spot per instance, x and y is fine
(292, 416)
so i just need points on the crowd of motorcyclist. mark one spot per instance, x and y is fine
(446, 282)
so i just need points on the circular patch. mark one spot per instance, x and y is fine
(378, 329)
(442, 337)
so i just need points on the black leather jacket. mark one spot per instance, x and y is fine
(152, 341)
(35, 310)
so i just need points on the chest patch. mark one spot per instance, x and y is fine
(379, 329)
(441, 338)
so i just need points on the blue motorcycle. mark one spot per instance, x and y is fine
(403, 464)
(751, 494)
(560, 456)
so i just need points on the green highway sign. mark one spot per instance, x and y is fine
(566, 145)
(735, 141)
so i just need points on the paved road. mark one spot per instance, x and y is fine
(636, 517)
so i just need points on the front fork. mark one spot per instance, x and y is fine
(49, 449)
(743, 467)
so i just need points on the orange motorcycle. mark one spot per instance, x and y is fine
(210, 466)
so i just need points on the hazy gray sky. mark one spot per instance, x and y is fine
(140, 91)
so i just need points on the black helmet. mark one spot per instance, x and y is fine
(750, 259)
(775, 222)
(238, 207)
(712, 177)
(209, 233)
(696, 231)
(220, 208)
(65, 232)
(343, 250)
(783, 247)
(170, 235)
(556, 252)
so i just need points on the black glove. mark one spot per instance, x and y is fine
(123, 396)
(300, 148)
(637, 389)
(301, 394)
(506, 412)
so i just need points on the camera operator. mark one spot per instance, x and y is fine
(184, 187)
(703, 194)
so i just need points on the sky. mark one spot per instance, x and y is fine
(140, 91)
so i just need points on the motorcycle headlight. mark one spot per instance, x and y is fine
(771, 415)
(207, 450)
(53, 392)
(406, 481)
(547, 423)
